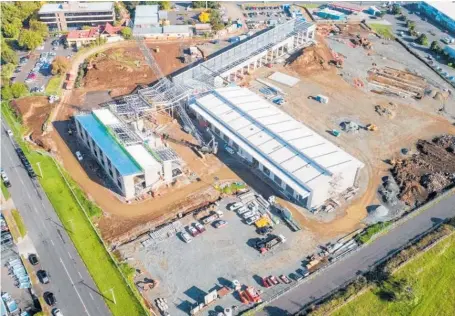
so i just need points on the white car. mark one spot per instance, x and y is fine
(235, 206)
(10, 133)
(56, 312)
(249, 214)
(251, 220)
(186, 237)
(219, 213)
(229, 150)
(242, 210)
(79, 155)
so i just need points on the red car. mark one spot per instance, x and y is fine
(199, 227)
(285, 279)
(266, 282)
(274, 280)
(193, 231)
(31, 76)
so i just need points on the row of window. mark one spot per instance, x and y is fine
(104, 18)
(89, 13)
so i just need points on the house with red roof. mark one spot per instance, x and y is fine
(85, 37)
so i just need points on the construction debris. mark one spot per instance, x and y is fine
(388, 110)
(430, 170)
(349, 126)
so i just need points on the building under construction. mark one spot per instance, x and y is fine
(130, 151)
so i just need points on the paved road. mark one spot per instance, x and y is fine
(73, 287)
(344, 270)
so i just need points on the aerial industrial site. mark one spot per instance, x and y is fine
(220, 158)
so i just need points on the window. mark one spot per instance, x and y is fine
(265, 170)
(217, 130)
(226, 138)
(289, 189)
(110, 172)
(277, 180)
(236, 147)
(119, 183)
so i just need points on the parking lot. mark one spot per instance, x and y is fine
(423, 26)
(257, 16)
(186, 272)
(38, 63)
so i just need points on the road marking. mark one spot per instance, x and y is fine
(52, 242)
(77, 292)
(70, 255)
(80, 274)
(91, 295)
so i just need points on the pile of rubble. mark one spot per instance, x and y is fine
(349, 126)
(386, 110)
(429, 171)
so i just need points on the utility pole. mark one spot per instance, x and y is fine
(40, 171)
(113, 295)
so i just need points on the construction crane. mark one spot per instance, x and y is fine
(166, 92)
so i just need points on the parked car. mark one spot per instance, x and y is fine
(199, 227)
(303, 272)
(251, 220)
(229, 150)
(79, 156)
(234, 206)
(49, 298)
(33, 259)
(42, 276)
(220, 223)
(193, 231)
(186, 237)
(266, 282)
(296, 276)
(249, 214)
(242, 210)
(56, 312)
(274, 280)
(10, 133)
(264, 230)
(284, 279)
(5, 178)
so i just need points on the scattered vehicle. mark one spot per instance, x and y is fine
(236, 285)
(285, 279)
(49, 298)
(234, 206)
(56, 312)
(264, 230)
(249, 214)
(242, 210)
(5, 178)
(200, 228)
(229, 150)
(432, 33)
(413, 44)
(10, 133)
(295, 276)
(270, 242)
(220, 223)
(274, 280)
(211, 217)
(303, 272)
(193, 231)
(266, 282)
(42, 276)
(186, 237)
(33, 258)
(79, 156)
(447, 40)
(429, 57)
(251, 220)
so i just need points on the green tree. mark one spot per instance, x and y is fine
(215, 20)
(60, 65)
(422, 40)
(7, 94)
(12, 29)
(165, 5)
(410, 24)
(435, 47)
(7, 71)
(8, 55)
(29, 39)
(203, 4)
(396, 10)
(127, 33)
(19, 89)
(396, 290)
(40, 28)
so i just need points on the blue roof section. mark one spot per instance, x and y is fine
(108, 145)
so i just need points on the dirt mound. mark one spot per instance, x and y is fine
(428, 171)
(312, 60)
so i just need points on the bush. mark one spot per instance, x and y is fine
(7, 94)
(60, 65)
(370, 231)
(127, 33)
(19, 89)
(422, 40)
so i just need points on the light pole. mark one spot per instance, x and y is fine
(113, 295)
(40, 171)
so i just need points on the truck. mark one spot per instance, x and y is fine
(211, 217)
(270, 242)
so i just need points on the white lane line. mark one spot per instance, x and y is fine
(77, 292)
(69, 255)
(52, 242)
(91, 295)
(80, 274)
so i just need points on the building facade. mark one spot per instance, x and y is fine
(442, 12)
(74, 15)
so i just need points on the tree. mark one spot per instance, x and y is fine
(204, 17)
(19, 89)
(60, 65)
(165, 5)
(396, 290)
(422, 40)
(30, 39)
(7, 94)
(203, 4)
(435, 47)
(127, 33)
(12, 29)
(215, 20)
(40, 28)
(7, 72)
(8, 55)
(396, 10)
(410, 23)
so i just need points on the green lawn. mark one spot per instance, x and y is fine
(433, 281)
(19, 222)
(54, 86)
(5, 191)
(371, 231)
(382, 29)
(100, 265)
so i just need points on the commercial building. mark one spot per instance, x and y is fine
(329, 14)
(133, 163)
(74, 15)
(83, 37)
(346, 7)
(450, 50)
(304, 165)
(442, 12)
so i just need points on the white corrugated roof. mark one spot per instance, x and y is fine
(76, 7)
(446, 7)
(291, 150)
(106, 117)
(142, 156)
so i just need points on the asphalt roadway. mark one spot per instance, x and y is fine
(74, 289)
(361, 261)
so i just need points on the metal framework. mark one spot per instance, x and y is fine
(125, 135)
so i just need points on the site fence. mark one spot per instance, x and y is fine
(397, 223)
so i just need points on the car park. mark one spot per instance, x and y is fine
(186, 237)
(193, 231)
(219, 224)
(49, 298)
(42, 276)
(200, 228)
(33, 258)
(284, 279)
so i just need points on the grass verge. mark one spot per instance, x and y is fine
(5, 191)
(54, 86)
(19, 222)
(90, 248)
(383, 30)
(431, 276)
(370, 231)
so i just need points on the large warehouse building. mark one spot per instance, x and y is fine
(307, 167)
(443, 12)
